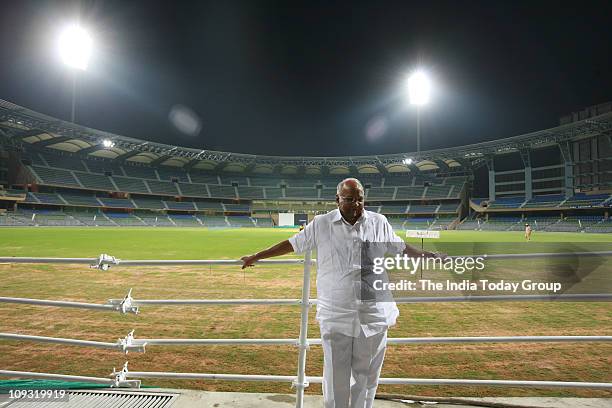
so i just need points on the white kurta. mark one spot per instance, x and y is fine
(339, 271)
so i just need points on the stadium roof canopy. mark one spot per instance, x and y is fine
(21, 125)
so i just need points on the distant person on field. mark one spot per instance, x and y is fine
(354, 336)
(528, 232)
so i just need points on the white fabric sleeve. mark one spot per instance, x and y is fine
(304, 240)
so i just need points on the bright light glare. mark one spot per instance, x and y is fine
(108, 143)
(75, 47)
(419, 88)
(407, 161)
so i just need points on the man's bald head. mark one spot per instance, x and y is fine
(349, 197)
(350, 184)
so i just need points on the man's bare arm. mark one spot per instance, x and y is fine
(279, 249)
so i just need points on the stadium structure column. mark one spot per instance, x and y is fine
(566, 153)
(491, 167)
(527, 163)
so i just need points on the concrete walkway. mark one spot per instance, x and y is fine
(206, 399)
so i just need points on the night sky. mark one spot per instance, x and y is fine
(312, 78)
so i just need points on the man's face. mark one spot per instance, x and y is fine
(350, 202)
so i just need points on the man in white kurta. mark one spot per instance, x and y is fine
(353, 332)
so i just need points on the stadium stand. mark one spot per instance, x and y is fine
(140, 172)
(213, 221)
(185, 220)
(116, 202)
(586, 201)
(407, 193)
(130, 185)
(422, 209)
(506, 203)
(302, 193)
(250, 192)
(162, 187)
(209, 205)
(203, 178)
(380, 193)
(222, 191)
(393, 209)
(544, 201)
(149, 203)
(193, 190)
(237, 208)
(180, 205)
(95, 181)
(81, 199)
(75, 187)
(240, 221)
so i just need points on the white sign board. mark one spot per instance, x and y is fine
(286, 219)
(422, 234)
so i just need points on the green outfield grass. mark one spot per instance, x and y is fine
(540, 361)
(200, 243)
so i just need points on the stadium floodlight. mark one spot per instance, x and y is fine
(75, 47)
(108, 143)
(418, 87)
(407, 161)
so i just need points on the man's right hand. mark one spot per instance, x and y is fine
(248, 260)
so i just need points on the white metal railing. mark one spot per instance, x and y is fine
(300, 381)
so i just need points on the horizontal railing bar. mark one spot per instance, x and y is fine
(389, 381)
(146, 262)
(391, 340)
(206, 262)
(314, 379)
(492, 383)
(79, 378)
(137, 344)
(498, 339)
(152, 262)
(57, 303)
(171, 302)
(184, 342)
(203, 376)
(59, 340)
(114, 303)
(10, 259)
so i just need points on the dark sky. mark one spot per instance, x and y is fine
(310, 77)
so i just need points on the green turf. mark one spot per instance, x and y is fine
(199, 243)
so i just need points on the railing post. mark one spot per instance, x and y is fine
(301, 383)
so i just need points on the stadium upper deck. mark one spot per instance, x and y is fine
(70, 165)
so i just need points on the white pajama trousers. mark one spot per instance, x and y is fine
(351, 367)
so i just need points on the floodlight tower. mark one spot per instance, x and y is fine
(418, 87)
(75, 50)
